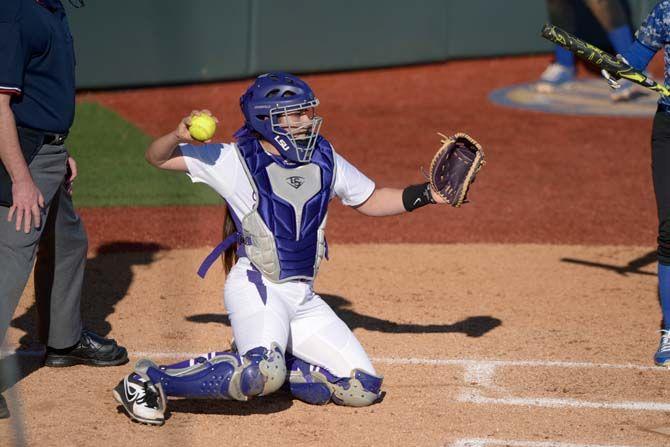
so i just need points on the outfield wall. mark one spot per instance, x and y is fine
(151, 42)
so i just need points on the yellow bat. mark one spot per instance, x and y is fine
(594, 55)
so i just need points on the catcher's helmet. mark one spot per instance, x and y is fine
(275, 94)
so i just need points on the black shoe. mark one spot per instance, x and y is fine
(4, 411)
(91, 349)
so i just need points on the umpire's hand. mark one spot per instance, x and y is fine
(27, 204)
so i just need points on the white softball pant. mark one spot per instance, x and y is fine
(292, 316)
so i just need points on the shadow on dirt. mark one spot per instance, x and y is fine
(277, 402)
(633, 266)
(274, 403)
(16, 367)
(475, 326)
(107, 279)
(106, 282)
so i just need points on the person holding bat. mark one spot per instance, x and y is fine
(612, 16)
(654, 34)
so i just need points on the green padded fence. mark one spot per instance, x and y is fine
(151, 42)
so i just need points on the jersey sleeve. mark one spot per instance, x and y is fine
(207, 164)
(653, 33)
(12, 48)
(351, 185)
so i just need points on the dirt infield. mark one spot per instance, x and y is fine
(526, 318)
(525, 342)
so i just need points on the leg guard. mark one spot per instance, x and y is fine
(264, 371)
(316, 385)
(223, 375)
(216, 378)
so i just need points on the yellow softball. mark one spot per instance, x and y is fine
(202, 127)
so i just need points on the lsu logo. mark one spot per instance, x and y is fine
(295, 181)
(282, 143)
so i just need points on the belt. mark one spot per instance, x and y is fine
(52, 139)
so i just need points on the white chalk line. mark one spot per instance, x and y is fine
(479, 372)
(498, 363)
(476, 442)
(481, 375)
(473, 396)
(473, 363)
(467, 363)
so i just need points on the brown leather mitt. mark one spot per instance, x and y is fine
(455, 166)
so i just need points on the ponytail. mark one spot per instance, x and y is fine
(229, 257)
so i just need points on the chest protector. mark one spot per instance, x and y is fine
(284, 235)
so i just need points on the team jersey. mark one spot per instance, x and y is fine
(655, 34)
(218, 166)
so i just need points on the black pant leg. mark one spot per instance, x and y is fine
(660, 166)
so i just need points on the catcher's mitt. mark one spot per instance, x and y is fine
(455, 166)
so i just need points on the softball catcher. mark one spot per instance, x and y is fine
(277, 180)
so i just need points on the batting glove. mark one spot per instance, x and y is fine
(611, 80)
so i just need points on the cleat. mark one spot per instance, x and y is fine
(662, 356)
(626, 92)
(143, 401)
(554, 77)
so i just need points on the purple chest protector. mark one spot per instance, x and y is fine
(284, 236)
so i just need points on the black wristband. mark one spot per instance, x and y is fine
(416, 196)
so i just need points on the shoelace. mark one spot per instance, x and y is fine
(150, 397)
(665, 341)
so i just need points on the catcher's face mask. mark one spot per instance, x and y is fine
(300, 125)
(279, 106)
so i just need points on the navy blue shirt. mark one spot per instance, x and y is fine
(37, 63)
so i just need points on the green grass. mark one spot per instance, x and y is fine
(112, 171)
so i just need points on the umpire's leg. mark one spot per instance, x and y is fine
(59, 274)
(17, 249)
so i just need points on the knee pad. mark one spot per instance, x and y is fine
(316, 385)
(264, 371)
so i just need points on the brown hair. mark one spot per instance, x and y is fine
(229, 257)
